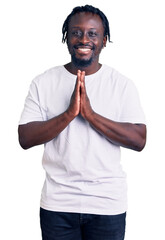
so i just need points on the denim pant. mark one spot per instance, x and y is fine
(75, 226)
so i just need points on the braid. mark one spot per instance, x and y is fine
(86, 8)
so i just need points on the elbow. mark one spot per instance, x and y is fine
(140, 142)
(24, 147)
(23, 143)
(140, 145)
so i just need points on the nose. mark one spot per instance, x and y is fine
(84, 38)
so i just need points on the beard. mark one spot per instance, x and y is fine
(81, 63)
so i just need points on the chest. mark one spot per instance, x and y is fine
(104, 97)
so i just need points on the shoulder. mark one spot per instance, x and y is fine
(116, 77)
(48, 75)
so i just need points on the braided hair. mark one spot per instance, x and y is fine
(86, 8)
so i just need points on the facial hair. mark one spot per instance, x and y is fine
(81, 63)
(85, 62)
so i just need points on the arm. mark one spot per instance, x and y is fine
(36, 133)
(127, 135)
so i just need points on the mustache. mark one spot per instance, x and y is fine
(92, 46)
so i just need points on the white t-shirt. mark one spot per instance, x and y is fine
(83, 169)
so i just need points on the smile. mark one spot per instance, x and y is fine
(83, 50)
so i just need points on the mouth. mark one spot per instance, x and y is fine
(83, 50)
(82, 56)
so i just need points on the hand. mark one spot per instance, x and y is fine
(85, 107)
(74, 107)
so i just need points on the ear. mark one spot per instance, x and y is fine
(104, 41)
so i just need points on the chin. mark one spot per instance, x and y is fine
(81, 62)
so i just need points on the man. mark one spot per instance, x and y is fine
(83, 112)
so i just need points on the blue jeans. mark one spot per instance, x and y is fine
(75, 226)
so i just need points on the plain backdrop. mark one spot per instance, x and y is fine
(30, 43)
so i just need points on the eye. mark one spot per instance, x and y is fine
(77, 33)
(92, 34)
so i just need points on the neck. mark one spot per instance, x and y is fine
(93, 68)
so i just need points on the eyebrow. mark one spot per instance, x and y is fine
(79, 27)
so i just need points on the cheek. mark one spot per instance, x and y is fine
(69, 45)
(98, 46)
(69, 48)
(99, 42)
(71, 39)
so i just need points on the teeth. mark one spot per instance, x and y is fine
(84, 49)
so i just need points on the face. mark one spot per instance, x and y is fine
(85, 39)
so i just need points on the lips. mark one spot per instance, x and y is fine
(83, 49)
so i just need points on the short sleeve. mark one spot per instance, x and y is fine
(32, 109)
(131, 110)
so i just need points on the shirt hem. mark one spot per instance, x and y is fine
(84, 211)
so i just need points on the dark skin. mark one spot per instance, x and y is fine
(85, 40)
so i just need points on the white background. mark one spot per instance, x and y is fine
(30, 35)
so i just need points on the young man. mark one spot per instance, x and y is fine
(83, 112)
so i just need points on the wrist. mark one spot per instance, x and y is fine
(70, 115)
(89, 116)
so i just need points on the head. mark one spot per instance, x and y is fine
(86, 31)
(86, 8)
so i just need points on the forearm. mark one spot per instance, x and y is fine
(36, 133)
(127, 135)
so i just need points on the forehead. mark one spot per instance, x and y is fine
(86, 19)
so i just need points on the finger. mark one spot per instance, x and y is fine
(79, 75)
(78, 80)
(83, 81)
(83, 89)
(82, 76)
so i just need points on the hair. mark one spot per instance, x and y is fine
(86, 8)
